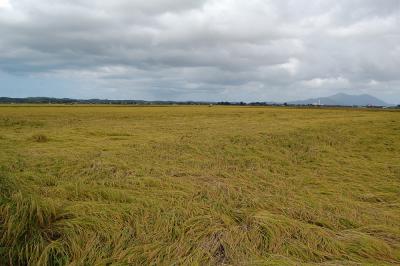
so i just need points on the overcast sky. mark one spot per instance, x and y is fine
(250, 50)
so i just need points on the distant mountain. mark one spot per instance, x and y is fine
(340, 99)
(344, 100)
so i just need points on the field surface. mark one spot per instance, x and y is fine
(99, 185)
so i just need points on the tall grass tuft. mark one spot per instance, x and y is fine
(40, 138)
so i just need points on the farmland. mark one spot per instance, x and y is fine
(198, 185)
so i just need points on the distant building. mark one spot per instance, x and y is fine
(317, 103)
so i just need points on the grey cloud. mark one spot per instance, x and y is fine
(209, 50)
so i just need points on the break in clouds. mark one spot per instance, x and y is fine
(253, 50)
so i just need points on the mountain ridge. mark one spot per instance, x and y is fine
(339, 99)
(344, 100)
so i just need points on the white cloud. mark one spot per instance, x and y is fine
(375, 26)
(338, 82)
(292, 66)
(5, 4)
(373, 82)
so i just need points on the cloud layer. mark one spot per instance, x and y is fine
(253, 50)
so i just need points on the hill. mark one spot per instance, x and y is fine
(344, 100)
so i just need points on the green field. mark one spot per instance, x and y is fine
(110, 185)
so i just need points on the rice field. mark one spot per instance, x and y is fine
(198, 185)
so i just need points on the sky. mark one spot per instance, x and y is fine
(204, 50)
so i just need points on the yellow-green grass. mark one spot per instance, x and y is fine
(198, 185)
